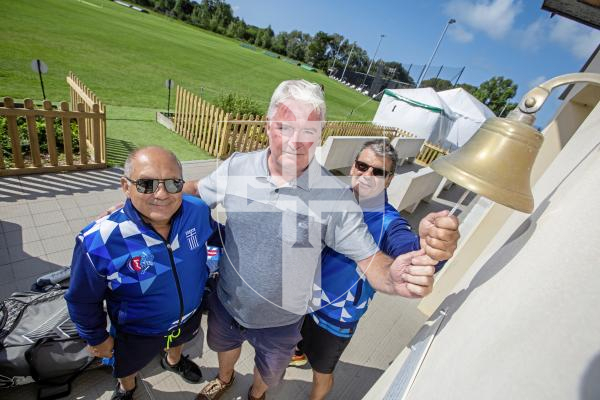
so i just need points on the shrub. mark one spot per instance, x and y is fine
(5, 143)
(235, 103)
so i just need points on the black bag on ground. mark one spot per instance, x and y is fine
(39, 342)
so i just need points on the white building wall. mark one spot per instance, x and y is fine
(524, 322)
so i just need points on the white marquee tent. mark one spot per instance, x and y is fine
(470, 113)
(419, 111)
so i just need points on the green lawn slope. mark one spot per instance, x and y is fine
(125, 56)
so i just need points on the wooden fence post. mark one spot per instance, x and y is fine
(224, 145)
(214, 143)
(201, 142)
(82, 135)
(235, 139)
(96, 134)
(13, 133)
(211, 123)
(194, 135)
(103, 131)
(51, 134)
(34, 145)
(185, 120)
(66, 128)
(247, 131)
(177, 109)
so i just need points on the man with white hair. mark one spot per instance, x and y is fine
(283, 208)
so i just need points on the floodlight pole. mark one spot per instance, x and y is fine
(347, 61)
(371, 63)
(450, 21)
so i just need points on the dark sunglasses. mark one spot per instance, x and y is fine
(148, 186)
(363, 167)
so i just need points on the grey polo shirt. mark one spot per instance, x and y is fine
(274, 236)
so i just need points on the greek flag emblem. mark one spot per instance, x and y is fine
(192, 239)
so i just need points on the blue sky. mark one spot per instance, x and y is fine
(512, 38)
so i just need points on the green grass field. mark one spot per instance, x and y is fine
(125, 56)
(131, 127)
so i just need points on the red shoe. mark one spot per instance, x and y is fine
(298, 360)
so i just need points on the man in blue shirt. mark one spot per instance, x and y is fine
(147, 260)
(345, 292)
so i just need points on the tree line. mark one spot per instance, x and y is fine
(323, 50)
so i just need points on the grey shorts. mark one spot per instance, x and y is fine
(273, 347)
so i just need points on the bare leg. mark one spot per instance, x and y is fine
(322, 384)
(259, 387)
(174, 354)
(227, 360)
(128, 382)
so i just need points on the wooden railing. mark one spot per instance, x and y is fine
(202, 123)
(25, 155)
(342, 128)
(81, 94)
(220, 133)
(429, 152)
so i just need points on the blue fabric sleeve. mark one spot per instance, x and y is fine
(399, 239)
(218, 237)
(85, 297)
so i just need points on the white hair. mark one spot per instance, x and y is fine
(300, 90)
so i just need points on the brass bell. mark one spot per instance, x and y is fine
(496, 162)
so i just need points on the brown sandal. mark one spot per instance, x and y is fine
(214, 389)
(250, 397)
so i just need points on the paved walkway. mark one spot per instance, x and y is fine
(40, 215)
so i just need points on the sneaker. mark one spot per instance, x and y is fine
(120, 394)
(250, 397)
(298, 359)
(214, 389)
(188, 370)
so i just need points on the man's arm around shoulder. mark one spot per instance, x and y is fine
(85, 297)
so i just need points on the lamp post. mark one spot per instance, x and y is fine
(347, 61)
(373, 59)
(450, 21)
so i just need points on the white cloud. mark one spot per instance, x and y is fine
(460, 34)
(235, 8)
(579, 39)
(531, 37)
(536, 81)
(494, 17)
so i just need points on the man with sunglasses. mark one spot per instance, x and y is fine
(282, 209)
(147, 260)
(345, 290)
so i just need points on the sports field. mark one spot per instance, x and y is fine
(125, 57)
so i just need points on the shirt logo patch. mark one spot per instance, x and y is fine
(192, 239)
(141, 263)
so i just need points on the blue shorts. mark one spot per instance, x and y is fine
(133, 352)
(273, 347)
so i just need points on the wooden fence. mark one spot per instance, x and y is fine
(341, 128)
(26, 155)
(429, 152)
(81, 94)
(220, 133)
